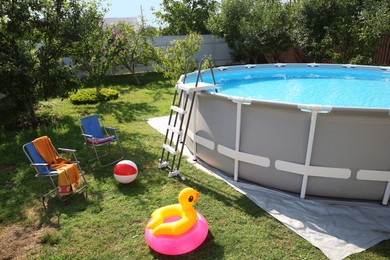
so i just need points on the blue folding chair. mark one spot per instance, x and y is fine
(97, 135)
(43, 171)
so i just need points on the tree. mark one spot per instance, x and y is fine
(131, 46)
(173, 59)
(254, 29)
(268, 29)
(227, 24)
(343, 31)
(181, 17)
(36, 38)
(93, 56)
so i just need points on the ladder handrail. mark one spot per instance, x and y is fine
(200, 70)
(187, 65)
(182, 103)
(199, 65)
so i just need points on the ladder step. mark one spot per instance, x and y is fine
(162, 165)
(178, 110)
(170, 149)
(186, 92)
(193, 87)
(176, 130)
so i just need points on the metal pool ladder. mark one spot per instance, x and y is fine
(179, 118)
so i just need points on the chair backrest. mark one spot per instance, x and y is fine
(90, 125)
(34, 157)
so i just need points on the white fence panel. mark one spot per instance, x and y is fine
(212, 46)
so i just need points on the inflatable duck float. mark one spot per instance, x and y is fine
(177, 229)
(184, 210)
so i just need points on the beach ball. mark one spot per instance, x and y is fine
(125, 171)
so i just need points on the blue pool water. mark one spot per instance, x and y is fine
(328, 87)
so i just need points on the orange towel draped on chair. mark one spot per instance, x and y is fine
(68, 174)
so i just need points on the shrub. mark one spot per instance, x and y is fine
(108, 94)
(173, 59)
(90, 96)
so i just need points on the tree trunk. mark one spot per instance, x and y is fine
(135, 77)
(132, 70)
(31, 111)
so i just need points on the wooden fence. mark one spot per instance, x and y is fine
(382, 55)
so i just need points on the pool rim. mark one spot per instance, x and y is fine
(210, 141)
(319, 66)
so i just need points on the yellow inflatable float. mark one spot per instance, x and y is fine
(177, 229)
(184, 209)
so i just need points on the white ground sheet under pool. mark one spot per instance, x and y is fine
(337, 228)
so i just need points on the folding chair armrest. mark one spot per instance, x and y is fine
(39, 164)
(110, 128)
(66, 150)
(113, 131)
(70, 151)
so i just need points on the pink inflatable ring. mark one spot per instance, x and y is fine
(181, 244)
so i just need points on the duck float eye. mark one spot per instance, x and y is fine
(177, 229)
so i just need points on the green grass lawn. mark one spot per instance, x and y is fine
(110, 222)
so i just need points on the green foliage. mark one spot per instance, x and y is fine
(131, 46)
(108, 94)
(254, 29)
(181, 17)
(267, 29)
(90, 96)
(227, 25)
(36, 38)
(343, 31)
(93, 56)
(173, 59)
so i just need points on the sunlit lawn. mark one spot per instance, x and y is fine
(110, 222)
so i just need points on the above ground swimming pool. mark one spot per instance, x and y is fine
(300, 128)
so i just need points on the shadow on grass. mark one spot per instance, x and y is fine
(71, 207)
(382, 249)
(207, 250)
(239, 201)
(20, 186)
(124, 111)
(128, 79)
(20, 189)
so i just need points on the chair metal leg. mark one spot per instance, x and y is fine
(43, 170)
(109, 151)
(120, 147)
(46, 196)
(43, 197)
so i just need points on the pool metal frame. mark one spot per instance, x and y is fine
(338, 152)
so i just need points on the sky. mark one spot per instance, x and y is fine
(132, 8)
